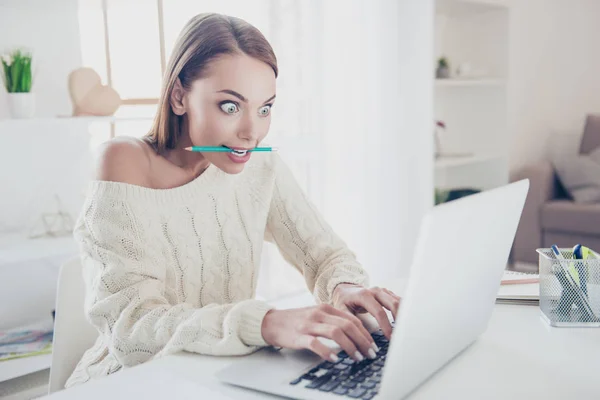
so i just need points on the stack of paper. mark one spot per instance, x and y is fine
(17, 344)
(519, 288)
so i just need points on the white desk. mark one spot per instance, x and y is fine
(519, 357)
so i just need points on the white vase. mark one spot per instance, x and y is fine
(21, 105)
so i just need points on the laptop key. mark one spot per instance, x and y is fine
(359, 378)
(319, 381)
(356, 393)
(369, 396)
(368, 385)
(349, 384)
(296, 381)
(341, 390)
(326, 365)
(314, 384)
(329, 386)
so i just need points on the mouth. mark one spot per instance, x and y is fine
(238, 151)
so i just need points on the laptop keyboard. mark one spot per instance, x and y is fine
(347, 377)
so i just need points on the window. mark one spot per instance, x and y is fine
(128, 42)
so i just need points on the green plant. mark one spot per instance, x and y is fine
(17, 71)
(443, 62)
(440, 196)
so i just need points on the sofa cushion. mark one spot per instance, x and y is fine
(580, 175)
(568, 216)
(591, 134)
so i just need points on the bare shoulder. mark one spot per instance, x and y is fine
(124, 159)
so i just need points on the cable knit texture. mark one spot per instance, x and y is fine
(168, 270)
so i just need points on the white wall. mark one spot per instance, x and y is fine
(378, 102)
(58, 163)
(50, 29)
(554, 69)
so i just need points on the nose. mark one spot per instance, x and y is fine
(247, 129)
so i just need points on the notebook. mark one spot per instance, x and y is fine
(519, 288)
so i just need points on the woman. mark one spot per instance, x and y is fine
(171, 239)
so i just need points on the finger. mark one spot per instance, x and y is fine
(361, 338)
(390, 292)
(374, 308)
(338, 335)
(349, 315)
(343, 308)
(316, 346)
(388, 301)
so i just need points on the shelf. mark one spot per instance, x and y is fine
(16, 248)
(459, 161)
(61, 120)
(23, 366)
(467, 8)
(457, 82)
(483, 172)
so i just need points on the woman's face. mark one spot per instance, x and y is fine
(231, 106)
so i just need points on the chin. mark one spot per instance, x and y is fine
(232, 169)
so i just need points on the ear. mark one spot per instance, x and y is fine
(176, 100)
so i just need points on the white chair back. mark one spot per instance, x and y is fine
(73, 334)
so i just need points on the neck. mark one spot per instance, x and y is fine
(191, 162)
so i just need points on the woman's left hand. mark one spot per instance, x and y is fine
(357, 299)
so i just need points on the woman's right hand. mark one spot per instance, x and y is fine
(299, 329)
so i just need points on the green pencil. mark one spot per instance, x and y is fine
(225, 149)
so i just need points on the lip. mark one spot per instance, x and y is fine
(239, 160)
(238, 148)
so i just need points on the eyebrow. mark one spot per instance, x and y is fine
(241, 97)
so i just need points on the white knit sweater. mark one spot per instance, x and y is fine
(168, 270)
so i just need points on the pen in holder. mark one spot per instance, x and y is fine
(569, 289)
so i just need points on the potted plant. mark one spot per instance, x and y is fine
(17, 77)
(443, 68)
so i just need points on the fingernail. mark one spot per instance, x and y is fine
(334, 358)
(358, 356)
(372, 354)
(374, 346)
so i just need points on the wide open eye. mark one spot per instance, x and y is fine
(229, 107)
(264, 111)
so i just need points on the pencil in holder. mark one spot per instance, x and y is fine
(569, 289)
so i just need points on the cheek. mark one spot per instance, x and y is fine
(206, 123)
(265, 126)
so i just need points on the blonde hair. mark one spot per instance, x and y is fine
(202, 39)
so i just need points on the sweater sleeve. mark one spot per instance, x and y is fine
(125, 298)
(305, 239)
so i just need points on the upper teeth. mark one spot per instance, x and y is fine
(239, 152)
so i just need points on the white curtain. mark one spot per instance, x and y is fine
(354, 115)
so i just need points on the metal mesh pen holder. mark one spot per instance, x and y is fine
(569, 289)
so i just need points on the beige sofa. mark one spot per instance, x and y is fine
(550, 216)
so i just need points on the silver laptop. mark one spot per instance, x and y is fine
(461, 254)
